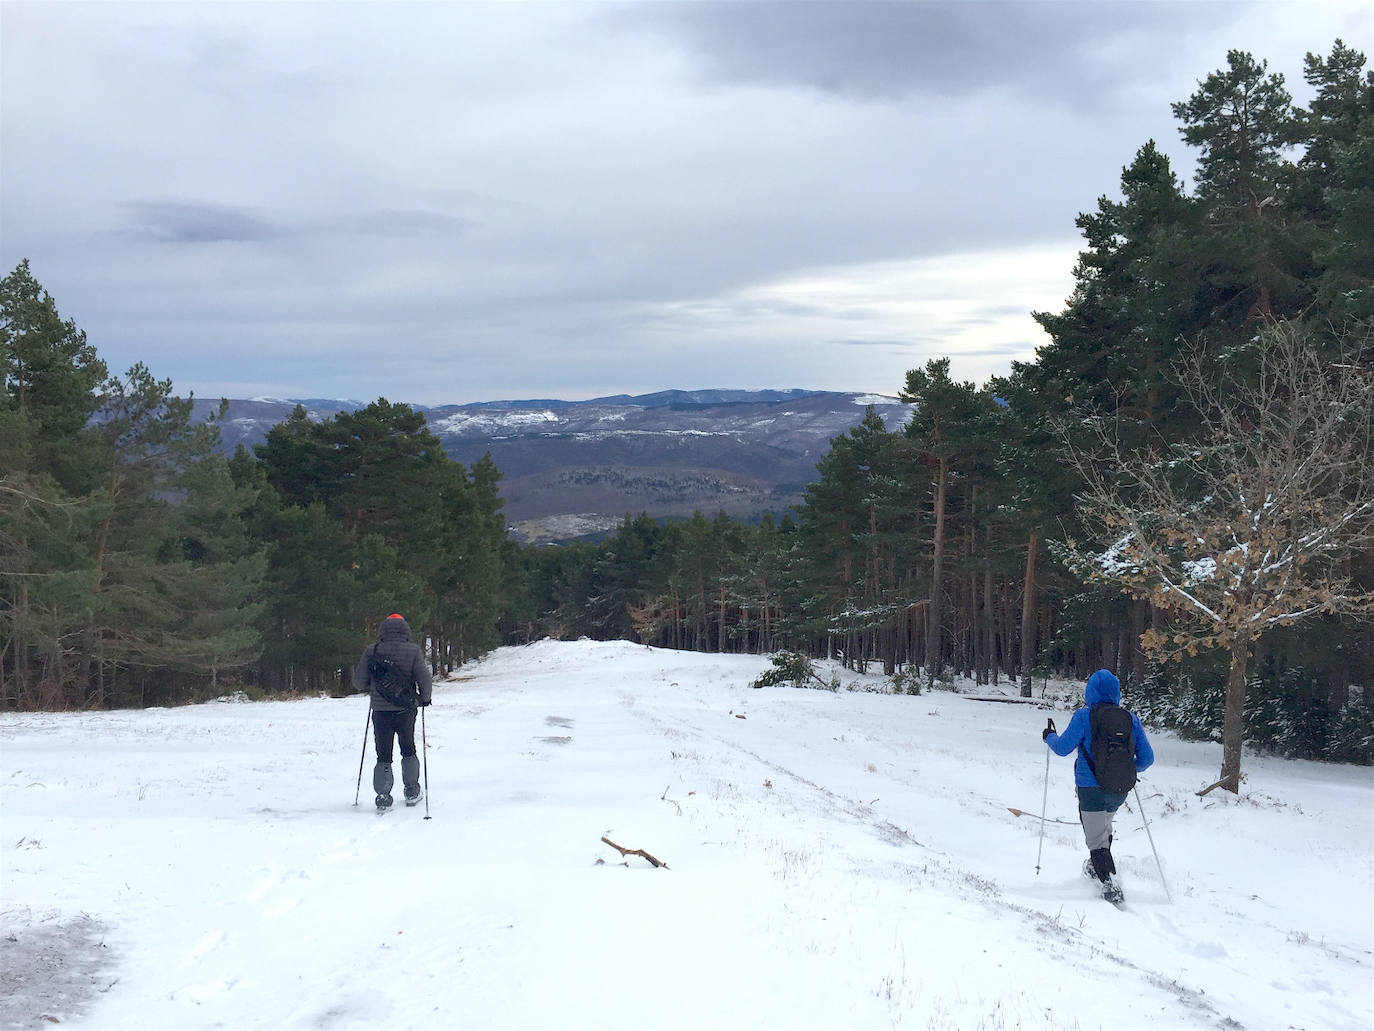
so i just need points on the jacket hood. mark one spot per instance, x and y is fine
(1103, 687)
(393, 628)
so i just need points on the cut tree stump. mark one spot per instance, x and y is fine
(635, 852)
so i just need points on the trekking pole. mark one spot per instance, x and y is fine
(424, 748)
(363, 755)
(1167, 894)
(1044, 808)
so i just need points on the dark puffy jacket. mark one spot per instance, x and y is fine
(1102, 686)
(395, 645)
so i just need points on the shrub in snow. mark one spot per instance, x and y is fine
(907, 681)
(1351, 738)
(795, 669)
(1287, 710)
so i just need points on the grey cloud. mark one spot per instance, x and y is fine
(168, 221)
(895, 48)
(1001, 310)
(1015, 349)
(191, 222)
(874, 343)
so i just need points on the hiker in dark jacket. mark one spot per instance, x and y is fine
(1096, 807)
(390, 720)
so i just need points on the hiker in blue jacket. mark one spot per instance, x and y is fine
(1096, 805)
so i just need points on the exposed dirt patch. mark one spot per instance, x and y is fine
(51, 971)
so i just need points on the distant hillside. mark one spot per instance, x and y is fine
(575, 467)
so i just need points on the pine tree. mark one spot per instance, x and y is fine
(50, 375)
(137, 554)
(467, 576)
(312, 623)
(948, 426)
(1242, 119)
(213, 574)
(420, 536)
(1139, 287)
(1336, 185)
(48, 379)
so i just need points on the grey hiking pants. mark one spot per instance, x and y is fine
(1095, 811)
(399, 726)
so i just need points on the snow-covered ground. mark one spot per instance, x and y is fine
(834, 860)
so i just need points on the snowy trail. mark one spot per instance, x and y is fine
(835, 860)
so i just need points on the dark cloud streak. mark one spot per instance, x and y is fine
(190, 222)
(181, 222)
(894, 49)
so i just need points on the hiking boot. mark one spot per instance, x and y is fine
(383, 803)
(414, 799)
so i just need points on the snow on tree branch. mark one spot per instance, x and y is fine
(1251, 525)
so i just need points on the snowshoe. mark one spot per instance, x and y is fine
(383, 803)
(1088, 870)
(1111, 891)
(415, 798)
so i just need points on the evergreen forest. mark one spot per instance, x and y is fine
(1179, 487)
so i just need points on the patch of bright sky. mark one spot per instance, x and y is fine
(884, 318)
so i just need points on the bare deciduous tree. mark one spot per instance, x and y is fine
(1250, 525)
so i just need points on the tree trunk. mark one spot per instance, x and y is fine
(1123, 652)
(974, 631)
(20, 661)
(1233, 724)
(1338, 686)
(934, 615)
(1139, 611)
(720, 642)
(766, 628)
(989, 628)
(1028, 615)
(702, 608)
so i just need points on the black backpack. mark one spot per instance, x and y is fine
(1112, 758)
(391, 683)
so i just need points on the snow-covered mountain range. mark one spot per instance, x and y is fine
(574, 467)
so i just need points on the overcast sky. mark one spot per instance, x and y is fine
(449, 202)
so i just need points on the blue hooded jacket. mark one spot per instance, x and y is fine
(1102, 687)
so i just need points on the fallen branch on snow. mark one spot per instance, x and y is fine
(1022, 812)
(1000, 698)
(635, 852)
